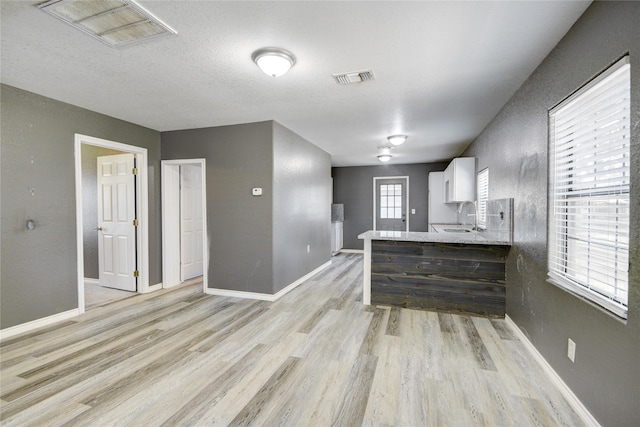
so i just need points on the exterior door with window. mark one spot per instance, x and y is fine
(390, 204)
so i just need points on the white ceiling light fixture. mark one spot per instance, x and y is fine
(273, 61)
(385, 154)
(397, 139)
(117, 23)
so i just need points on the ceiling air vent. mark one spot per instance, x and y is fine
(116, 23)
(355, 77)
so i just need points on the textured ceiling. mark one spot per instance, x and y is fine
(443, 69)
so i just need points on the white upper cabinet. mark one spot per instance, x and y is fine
(460, 180)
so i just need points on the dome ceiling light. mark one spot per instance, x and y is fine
(397, 139)
(385, 154)
(273, 61)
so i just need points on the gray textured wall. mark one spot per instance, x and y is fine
(606, 372)
(38, 268)
(90, 154)
(301, 206)
(353, 187)
(239, 225)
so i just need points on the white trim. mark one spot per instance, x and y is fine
(171, 276)
(266, 297)
(366, 281)
(352, 251)
(91, 281)
(406, 208)
(153, 288)
(38, 323)
(142, 191)
(573, 400)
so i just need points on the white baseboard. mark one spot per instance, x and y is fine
(573, 400)
(38, 323)
(352, 251)
(262, 296)
(90, 281)
(153, 288)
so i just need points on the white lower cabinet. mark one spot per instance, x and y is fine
(337, 229)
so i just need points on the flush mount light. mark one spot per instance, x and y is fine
(116, 23)
(397, 139)
(384, 158)
(273, 61)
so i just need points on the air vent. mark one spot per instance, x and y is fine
(116, 23)
(355, 77)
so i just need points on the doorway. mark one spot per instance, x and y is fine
(390, 203)
(140, 250)
(184, 222)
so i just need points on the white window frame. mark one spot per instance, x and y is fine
(482, 192)
(589, 190)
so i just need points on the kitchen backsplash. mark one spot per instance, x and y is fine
(337, 212)
(499, 215)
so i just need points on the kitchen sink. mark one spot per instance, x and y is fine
(456, 230)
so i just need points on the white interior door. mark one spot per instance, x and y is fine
(191, 221)
(116, 213)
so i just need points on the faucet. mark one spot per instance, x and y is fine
(474, 214)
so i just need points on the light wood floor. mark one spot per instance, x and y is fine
(316, 357)
(96, 295)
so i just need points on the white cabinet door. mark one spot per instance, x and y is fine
(337, 233)
(460, 180)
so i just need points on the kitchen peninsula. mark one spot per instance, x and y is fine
(460, 272)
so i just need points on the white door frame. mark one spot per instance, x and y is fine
(142, 201)
(375, 182)
(171, 222)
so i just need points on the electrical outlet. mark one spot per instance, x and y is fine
(571, 350)
(308, 248)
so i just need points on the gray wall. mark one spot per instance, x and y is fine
(353, 186)
(606, 372)
(90, 154)
(38, 268)
(301, 206)
(239, 225)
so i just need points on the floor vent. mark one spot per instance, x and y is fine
(355, 77)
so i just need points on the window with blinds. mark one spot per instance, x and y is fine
(589, 190)
(482, 191)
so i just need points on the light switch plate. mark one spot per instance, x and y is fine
(256, 191)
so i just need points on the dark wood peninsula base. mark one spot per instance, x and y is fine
(440, 276)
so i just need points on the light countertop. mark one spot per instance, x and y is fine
(472, 237)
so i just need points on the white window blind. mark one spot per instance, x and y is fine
(589, 190)
(482, 190)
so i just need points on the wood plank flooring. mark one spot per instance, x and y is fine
(315, 357)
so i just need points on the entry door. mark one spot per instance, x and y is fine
(391, 204)
(191, 221)
(116, 214)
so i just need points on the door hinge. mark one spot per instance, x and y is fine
(134, 171)
(135, 222)
(136, 273)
